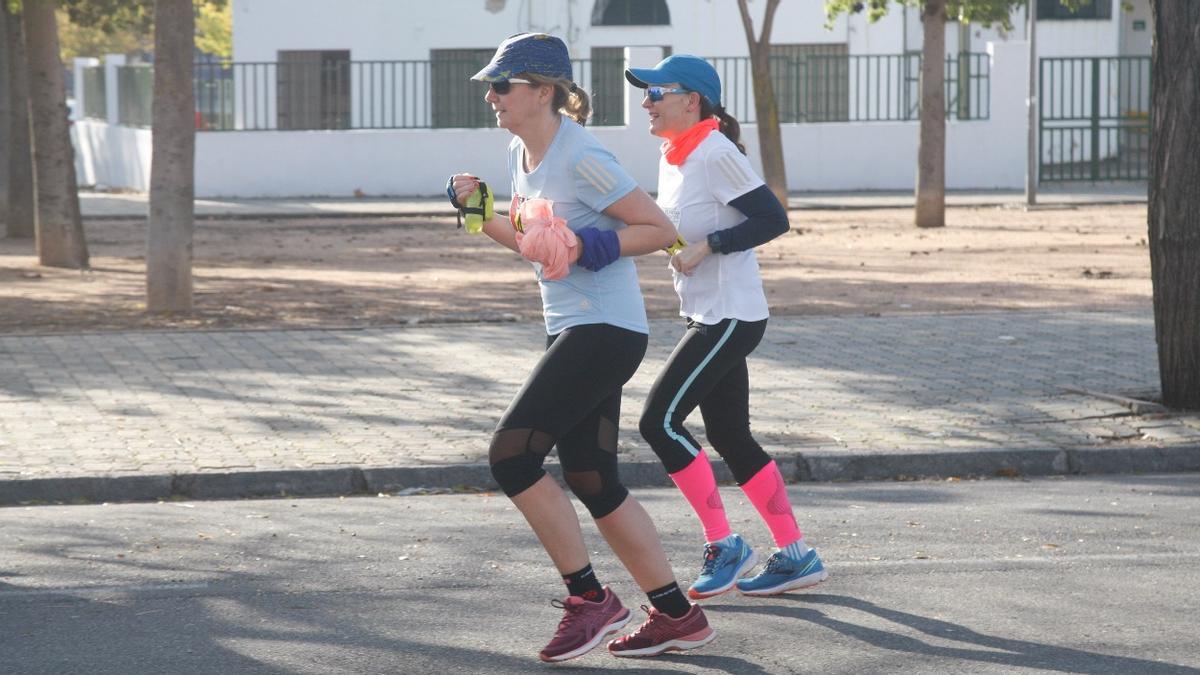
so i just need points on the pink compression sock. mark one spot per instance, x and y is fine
(698, 485)
(769, 495)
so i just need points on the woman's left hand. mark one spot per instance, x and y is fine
(686, 261)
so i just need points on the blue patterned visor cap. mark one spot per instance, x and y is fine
(536, 53)
(691, 72)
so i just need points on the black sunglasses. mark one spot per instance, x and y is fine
(504, 86)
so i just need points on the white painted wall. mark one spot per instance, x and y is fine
(111, 156)
(1075, 37)
(1137, 42)
(408, 29)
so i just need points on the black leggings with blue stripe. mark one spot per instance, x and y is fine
(707, 369)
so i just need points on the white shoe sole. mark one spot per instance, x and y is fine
(611, 628)
(807, 581)
(746, 567)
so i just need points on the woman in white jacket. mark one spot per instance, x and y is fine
(722, 210)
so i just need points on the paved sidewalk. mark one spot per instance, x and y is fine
(145, 415)
(135, 205)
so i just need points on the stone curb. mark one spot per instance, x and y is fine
(796, 468)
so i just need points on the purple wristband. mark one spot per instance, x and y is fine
(600, 247)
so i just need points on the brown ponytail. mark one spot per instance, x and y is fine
(729, 124)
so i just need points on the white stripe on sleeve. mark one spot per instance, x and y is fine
(596, 175)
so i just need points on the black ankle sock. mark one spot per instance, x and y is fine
(669, 600)
(584, 584)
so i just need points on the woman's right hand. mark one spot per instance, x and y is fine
(463, 185)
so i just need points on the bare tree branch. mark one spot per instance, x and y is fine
(748, 25)
(768, 20)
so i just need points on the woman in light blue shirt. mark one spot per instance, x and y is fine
(597, 335)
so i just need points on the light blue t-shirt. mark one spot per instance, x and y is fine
(582, 178)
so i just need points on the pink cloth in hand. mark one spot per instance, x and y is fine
(546, 239)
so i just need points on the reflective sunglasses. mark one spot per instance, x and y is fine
(504, 86)
(655, 94)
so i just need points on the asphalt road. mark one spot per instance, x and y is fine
(1074, 575)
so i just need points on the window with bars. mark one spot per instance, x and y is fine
(313, 89)
(456, 101)
(811, 82)
(631, 13)
(608, 86)
(1054, 9)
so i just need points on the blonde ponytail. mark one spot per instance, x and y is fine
(569, 98)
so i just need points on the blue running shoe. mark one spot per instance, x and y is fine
(782, 574)
(723, 565)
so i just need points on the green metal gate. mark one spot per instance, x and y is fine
(1094, 119)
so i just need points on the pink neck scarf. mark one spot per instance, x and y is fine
(677, 151)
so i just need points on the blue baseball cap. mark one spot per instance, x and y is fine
(691, 72)
(536, 53)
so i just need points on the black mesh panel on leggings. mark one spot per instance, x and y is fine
(589, 461)
(571, 401)
(516, 457)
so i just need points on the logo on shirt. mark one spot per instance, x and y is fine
(514, 212)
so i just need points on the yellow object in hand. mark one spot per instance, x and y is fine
(479, 208)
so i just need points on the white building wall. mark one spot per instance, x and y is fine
(391, 30)
(1137, 40)
(111, 156)
(1068, 37)
(408, 29)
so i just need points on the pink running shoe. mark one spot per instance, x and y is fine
(662, 634)
(584, 625)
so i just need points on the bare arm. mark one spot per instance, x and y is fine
(501, 231)
(649, 228)
(498, 228)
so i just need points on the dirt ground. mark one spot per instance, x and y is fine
(291, 273)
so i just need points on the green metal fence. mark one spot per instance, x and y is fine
(856, 88)
(968, 86)
(333, 94)
(214, 96)
(95, 98)
(1094, 118)
(327, 91)
(135, 93)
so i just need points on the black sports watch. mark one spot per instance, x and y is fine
(714, 242)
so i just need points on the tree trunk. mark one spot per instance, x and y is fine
(770, 139)
(5, 112)
(172, 167)
(1174, 200)
(931, 149)
(20, 211)
(60, 241)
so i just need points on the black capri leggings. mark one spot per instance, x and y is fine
(571, 400)
(707, 369)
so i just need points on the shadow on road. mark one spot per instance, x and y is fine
(976, 646)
